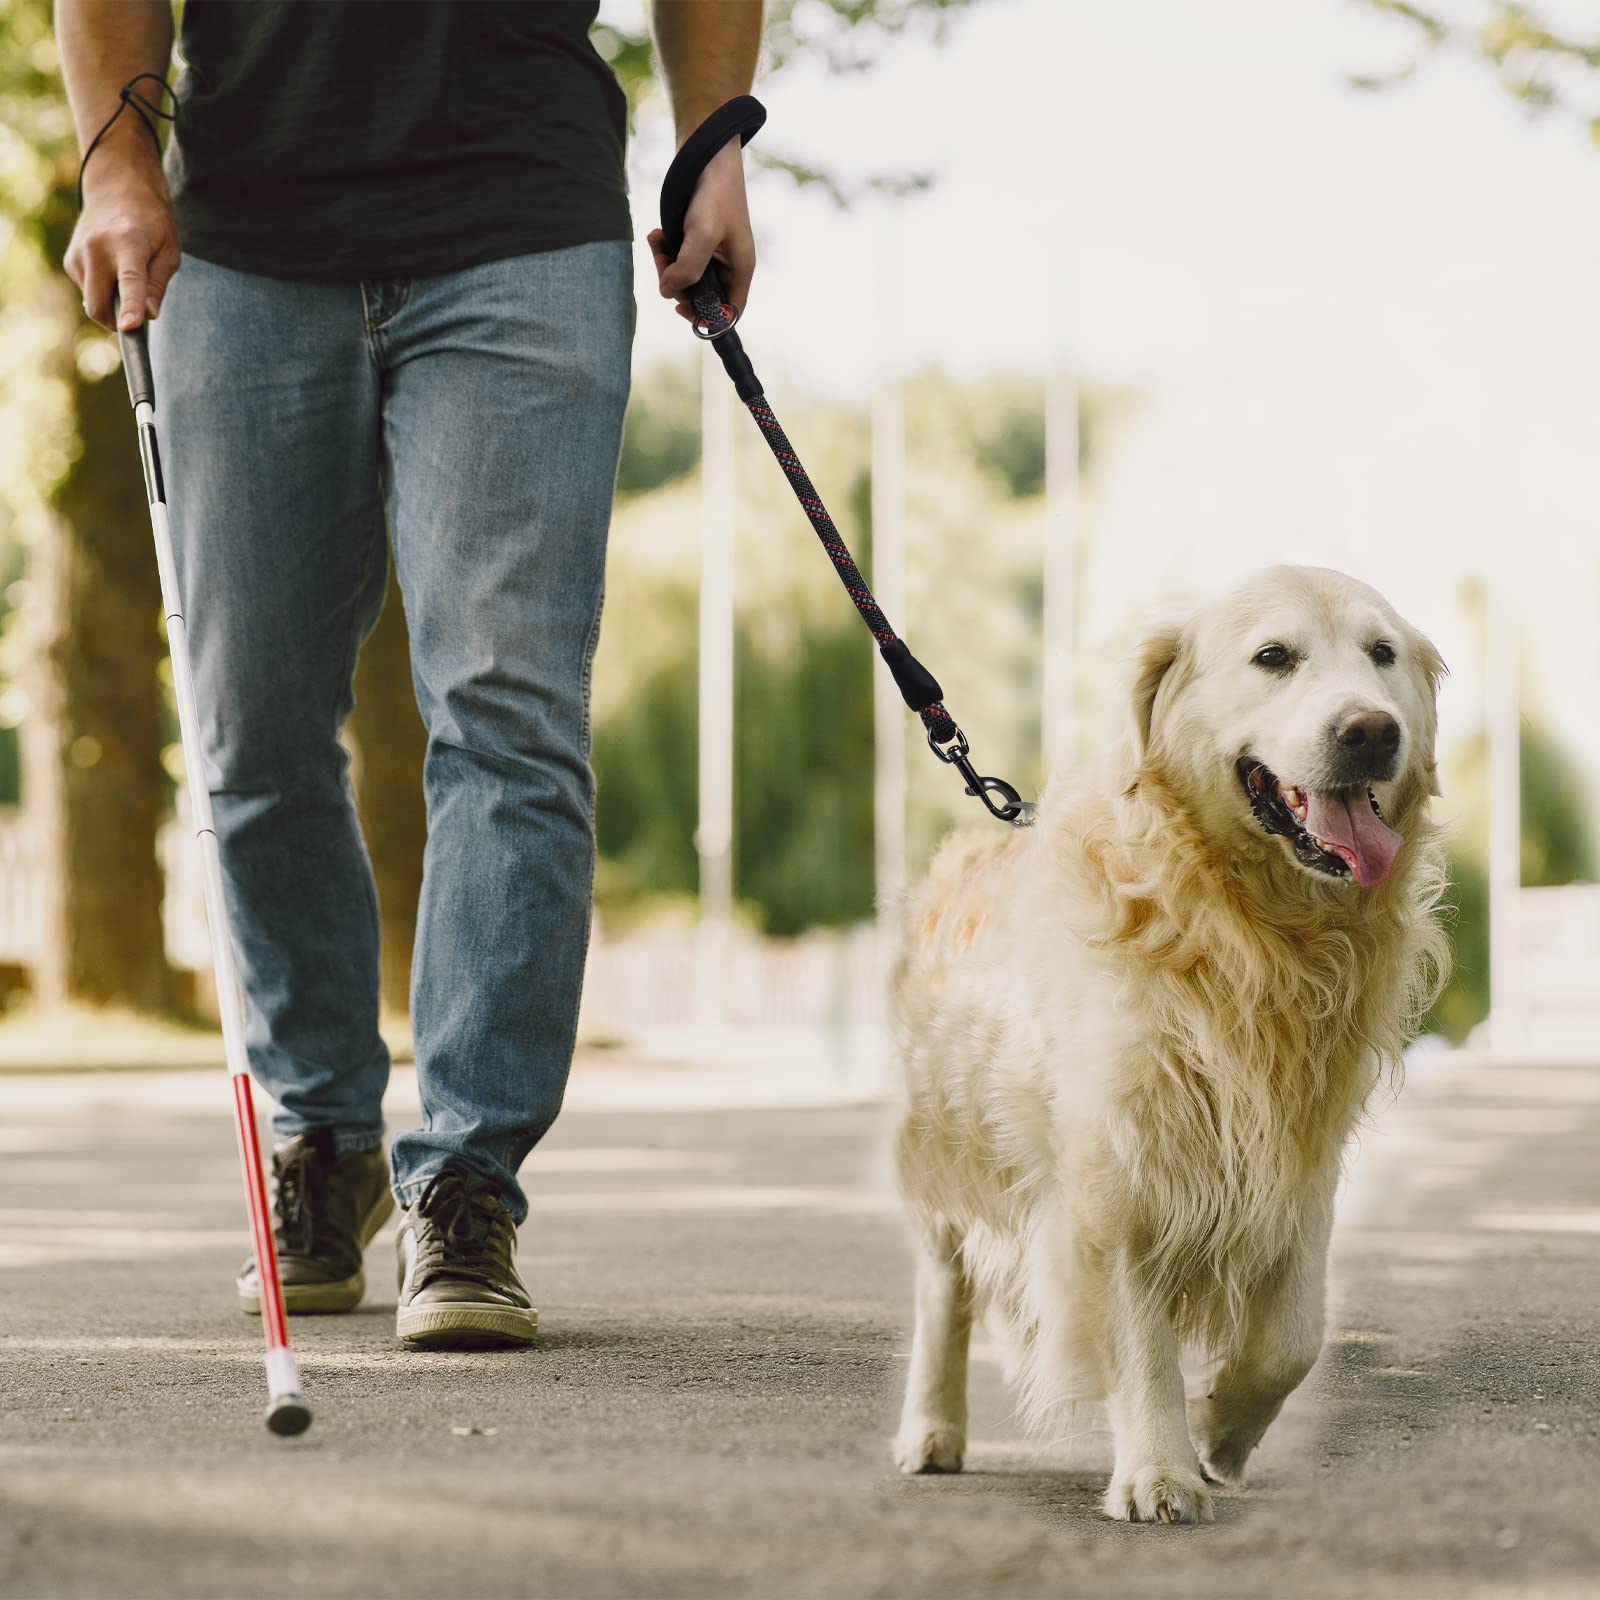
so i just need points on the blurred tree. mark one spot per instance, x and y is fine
(390, 744)
(13, 700)
(841, 35)
(1557, 836)
(661, 432)
(803, 664)
(802, 782)
(93, 783)
(1465, 1001)
(1007, 421)
(96, 789)
(644, 761)
(1542, 63)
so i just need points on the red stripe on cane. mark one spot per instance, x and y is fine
(255, 1186)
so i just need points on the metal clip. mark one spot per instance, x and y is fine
(706, 325)
(1018, 812)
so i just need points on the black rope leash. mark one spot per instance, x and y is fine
(128, 96)
(714, 320)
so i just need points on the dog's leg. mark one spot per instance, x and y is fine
(1280, 1340)
(1157, 1476)
(933, 1423)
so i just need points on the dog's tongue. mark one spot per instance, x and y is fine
(1345, 819)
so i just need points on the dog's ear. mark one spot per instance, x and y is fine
(1431, 664)
(1155, 658)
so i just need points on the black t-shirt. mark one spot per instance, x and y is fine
(346, 139)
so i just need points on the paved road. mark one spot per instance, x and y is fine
(724, 1303)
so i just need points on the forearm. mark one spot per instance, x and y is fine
(125, 247)
(708, 51)
(103, 44)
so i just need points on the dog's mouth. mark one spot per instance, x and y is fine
(1337, 832)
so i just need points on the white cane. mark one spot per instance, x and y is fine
(287, 1412)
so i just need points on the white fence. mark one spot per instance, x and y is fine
(1552, 974)
(826, 976)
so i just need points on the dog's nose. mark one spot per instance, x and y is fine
(1373, 731)
(1367, 744)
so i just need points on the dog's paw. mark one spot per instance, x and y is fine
(924, 1446)
(1159, 1494)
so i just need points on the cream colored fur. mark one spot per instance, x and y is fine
(1135, 1039)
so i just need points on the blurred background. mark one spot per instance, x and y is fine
(1073, 308)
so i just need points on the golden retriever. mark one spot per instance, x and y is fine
(1136, 1036)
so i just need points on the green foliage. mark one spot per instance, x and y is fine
(1465, 1003)
(848, 35)
(10, 743)
(646, 778)
(1540, 64)
(803, 778)
(803, 665)
(1011, 444)
(37, 145)
(1008, 425)
(1557, 833)
(843, 35)
(802, 781)
(661, 432)
(38, 385)
(840, 35)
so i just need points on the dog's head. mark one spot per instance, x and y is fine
(1301, 706)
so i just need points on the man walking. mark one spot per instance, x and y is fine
(403, 316)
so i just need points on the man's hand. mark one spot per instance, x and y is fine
(716, 228)
(708, 52)
(125, 239)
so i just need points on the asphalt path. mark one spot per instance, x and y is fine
(724, 1302)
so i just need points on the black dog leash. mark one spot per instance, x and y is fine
(714, 320)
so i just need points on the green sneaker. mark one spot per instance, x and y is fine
(326, 1209)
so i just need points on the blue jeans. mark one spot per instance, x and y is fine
(475, 418)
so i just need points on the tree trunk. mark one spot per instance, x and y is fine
(93, 786)
(389, 740)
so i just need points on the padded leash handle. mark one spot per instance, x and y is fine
(740, 118)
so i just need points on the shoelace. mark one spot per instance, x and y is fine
(468, 1232)
(300, 1189)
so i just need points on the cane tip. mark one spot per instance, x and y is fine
(288, 1415)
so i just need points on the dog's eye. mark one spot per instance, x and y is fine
(1382, 653)
(1273, 658)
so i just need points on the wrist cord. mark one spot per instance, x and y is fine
(143, 109)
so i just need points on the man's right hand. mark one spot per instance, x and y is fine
(126, 239)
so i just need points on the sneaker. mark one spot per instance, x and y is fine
(326, 1209)
(458, 1287)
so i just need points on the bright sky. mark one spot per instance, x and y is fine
(1366, 325)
